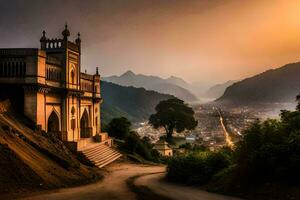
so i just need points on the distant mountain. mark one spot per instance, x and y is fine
(279, 85)
(137, 104)
(218, 90)
(179, 82)
(172, 85)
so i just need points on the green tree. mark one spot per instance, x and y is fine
(172, 115)
(298, 100)
(119, 127)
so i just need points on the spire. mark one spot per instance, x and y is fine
(43, 40)
(66, 32)
(97, 70)
(78, 40)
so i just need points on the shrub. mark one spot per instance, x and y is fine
(270, 150)
(134, 144)
(119, 127)
(197, 168)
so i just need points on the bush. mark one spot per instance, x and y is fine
(134, 144)
(270, 150)
(119, 127)
(186, 146)
(197, 168)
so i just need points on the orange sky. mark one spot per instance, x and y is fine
(200, 41)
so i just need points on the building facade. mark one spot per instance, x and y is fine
(163, 148)
(48, 87)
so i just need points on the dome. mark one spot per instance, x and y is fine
(66, 32)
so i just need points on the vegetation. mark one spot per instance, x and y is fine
(132, 143)
(261, 88)
(192, 147)
(199, 166)
(172, 115)
(119, 128)
(136, 104)
(266, 157)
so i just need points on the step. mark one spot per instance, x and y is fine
(100, 157)
(96, 151)
(106, 158)
(90, 150)
(100, 154)
(111, 159)
(108, 162)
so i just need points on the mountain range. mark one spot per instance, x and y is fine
(137, 104)
(173, 85)
(279, 85)
(217, 90)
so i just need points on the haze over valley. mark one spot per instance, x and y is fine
(240, 102)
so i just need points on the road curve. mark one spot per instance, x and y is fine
(114, 186)
(157, 185)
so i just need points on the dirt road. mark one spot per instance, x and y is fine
(114, 187)
(155, 183)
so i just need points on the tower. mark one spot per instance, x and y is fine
(56, 95)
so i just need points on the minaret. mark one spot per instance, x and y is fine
(66, 33)
(78, 41)
(43, 41)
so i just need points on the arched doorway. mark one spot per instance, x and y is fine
(85, 130)
(53, 123)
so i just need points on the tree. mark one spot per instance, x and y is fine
(172, 115)
(119, 127)
(298, 100)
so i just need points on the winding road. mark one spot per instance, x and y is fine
(226, 134)
(157, 185)
(114, 187)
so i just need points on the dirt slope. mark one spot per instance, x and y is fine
(32, 160)
(113, 186)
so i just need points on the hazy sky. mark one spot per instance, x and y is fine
(200, 41)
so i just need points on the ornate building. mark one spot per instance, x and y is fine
(48, 87)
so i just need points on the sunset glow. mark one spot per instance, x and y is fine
(201, 41)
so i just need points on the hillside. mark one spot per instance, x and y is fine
(172, 85)
(31, 160)
(218, 90)
(279, 85)
(137, 104)
(179, 82)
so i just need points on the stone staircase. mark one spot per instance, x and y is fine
(101, 154)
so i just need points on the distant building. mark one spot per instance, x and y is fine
(191, 138)
(163, 148)
(48, 87)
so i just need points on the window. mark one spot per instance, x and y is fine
(72, 77)
(73, 124)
